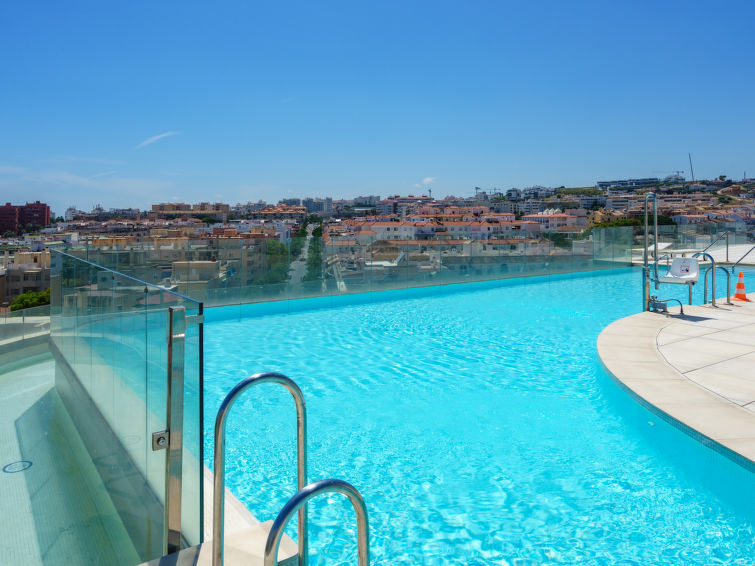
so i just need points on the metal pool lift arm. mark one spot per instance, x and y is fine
(645, 267)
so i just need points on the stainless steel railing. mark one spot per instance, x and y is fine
(740, 259)
(723, 234)
(300, 499)
(218, 507)
(654, 277)
(645, 268)
(728, 285)
(713, 278)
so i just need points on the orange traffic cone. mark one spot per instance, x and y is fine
(739, 294)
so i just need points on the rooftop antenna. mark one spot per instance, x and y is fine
(692, 171)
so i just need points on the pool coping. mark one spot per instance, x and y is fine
(663, 362)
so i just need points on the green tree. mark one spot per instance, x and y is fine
(558, 239)
(278, 264)
(314, 258)
(30, 299)
(297, 242)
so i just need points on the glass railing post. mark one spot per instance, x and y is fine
(174, 418)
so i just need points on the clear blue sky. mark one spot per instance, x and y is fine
(264, 100)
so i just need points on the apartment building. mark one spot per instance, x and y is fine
(318, 205)
(648, 181)
(624, 201)
(14, 218)
(551, 222)
(23, 272)
(684, 219)
(216, 210)
(403, 205)
(280, 212)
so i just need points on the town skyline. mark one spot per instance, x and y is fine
(60, 204)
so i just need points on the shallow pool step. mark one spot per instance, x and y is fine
(245, 547)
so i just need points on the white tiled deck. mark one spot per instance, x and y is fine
(698, 369)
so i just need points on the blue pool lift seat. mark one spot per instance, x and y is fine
(683, 271)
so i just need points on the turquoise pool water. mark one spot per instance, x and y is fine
(478, 424)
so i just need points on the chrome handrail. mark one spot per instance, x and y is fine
(655, 267)
(713, 278)
(301, 498)
(721, 235)
(728, 285)
(740, 259)
(655, 226)
(218, 507)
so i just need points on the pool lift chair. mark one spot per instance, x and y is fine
(681, 271)
(686, 271)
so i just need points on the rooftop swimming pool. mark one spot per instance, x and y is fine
(478, 424)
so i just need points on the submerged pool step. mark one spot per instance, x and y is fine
(245, 547)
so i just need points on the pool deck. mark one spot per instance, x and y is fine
(697, 370)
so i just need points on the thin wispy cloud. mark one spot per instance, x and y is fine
(11, 170)
(153, 139)
(105, 174)
(425, 183)
(80, 159)
(56, 187)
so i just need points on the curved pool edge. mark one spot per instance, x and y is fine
(649, 355)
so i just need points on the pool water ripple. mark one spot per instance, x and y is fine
(480, 428)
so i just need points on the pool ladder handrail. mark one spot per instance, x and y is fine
(733, 267)
(713, 279)
(218, 507)
(300, 499)
(723, 234)
(728, 286)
